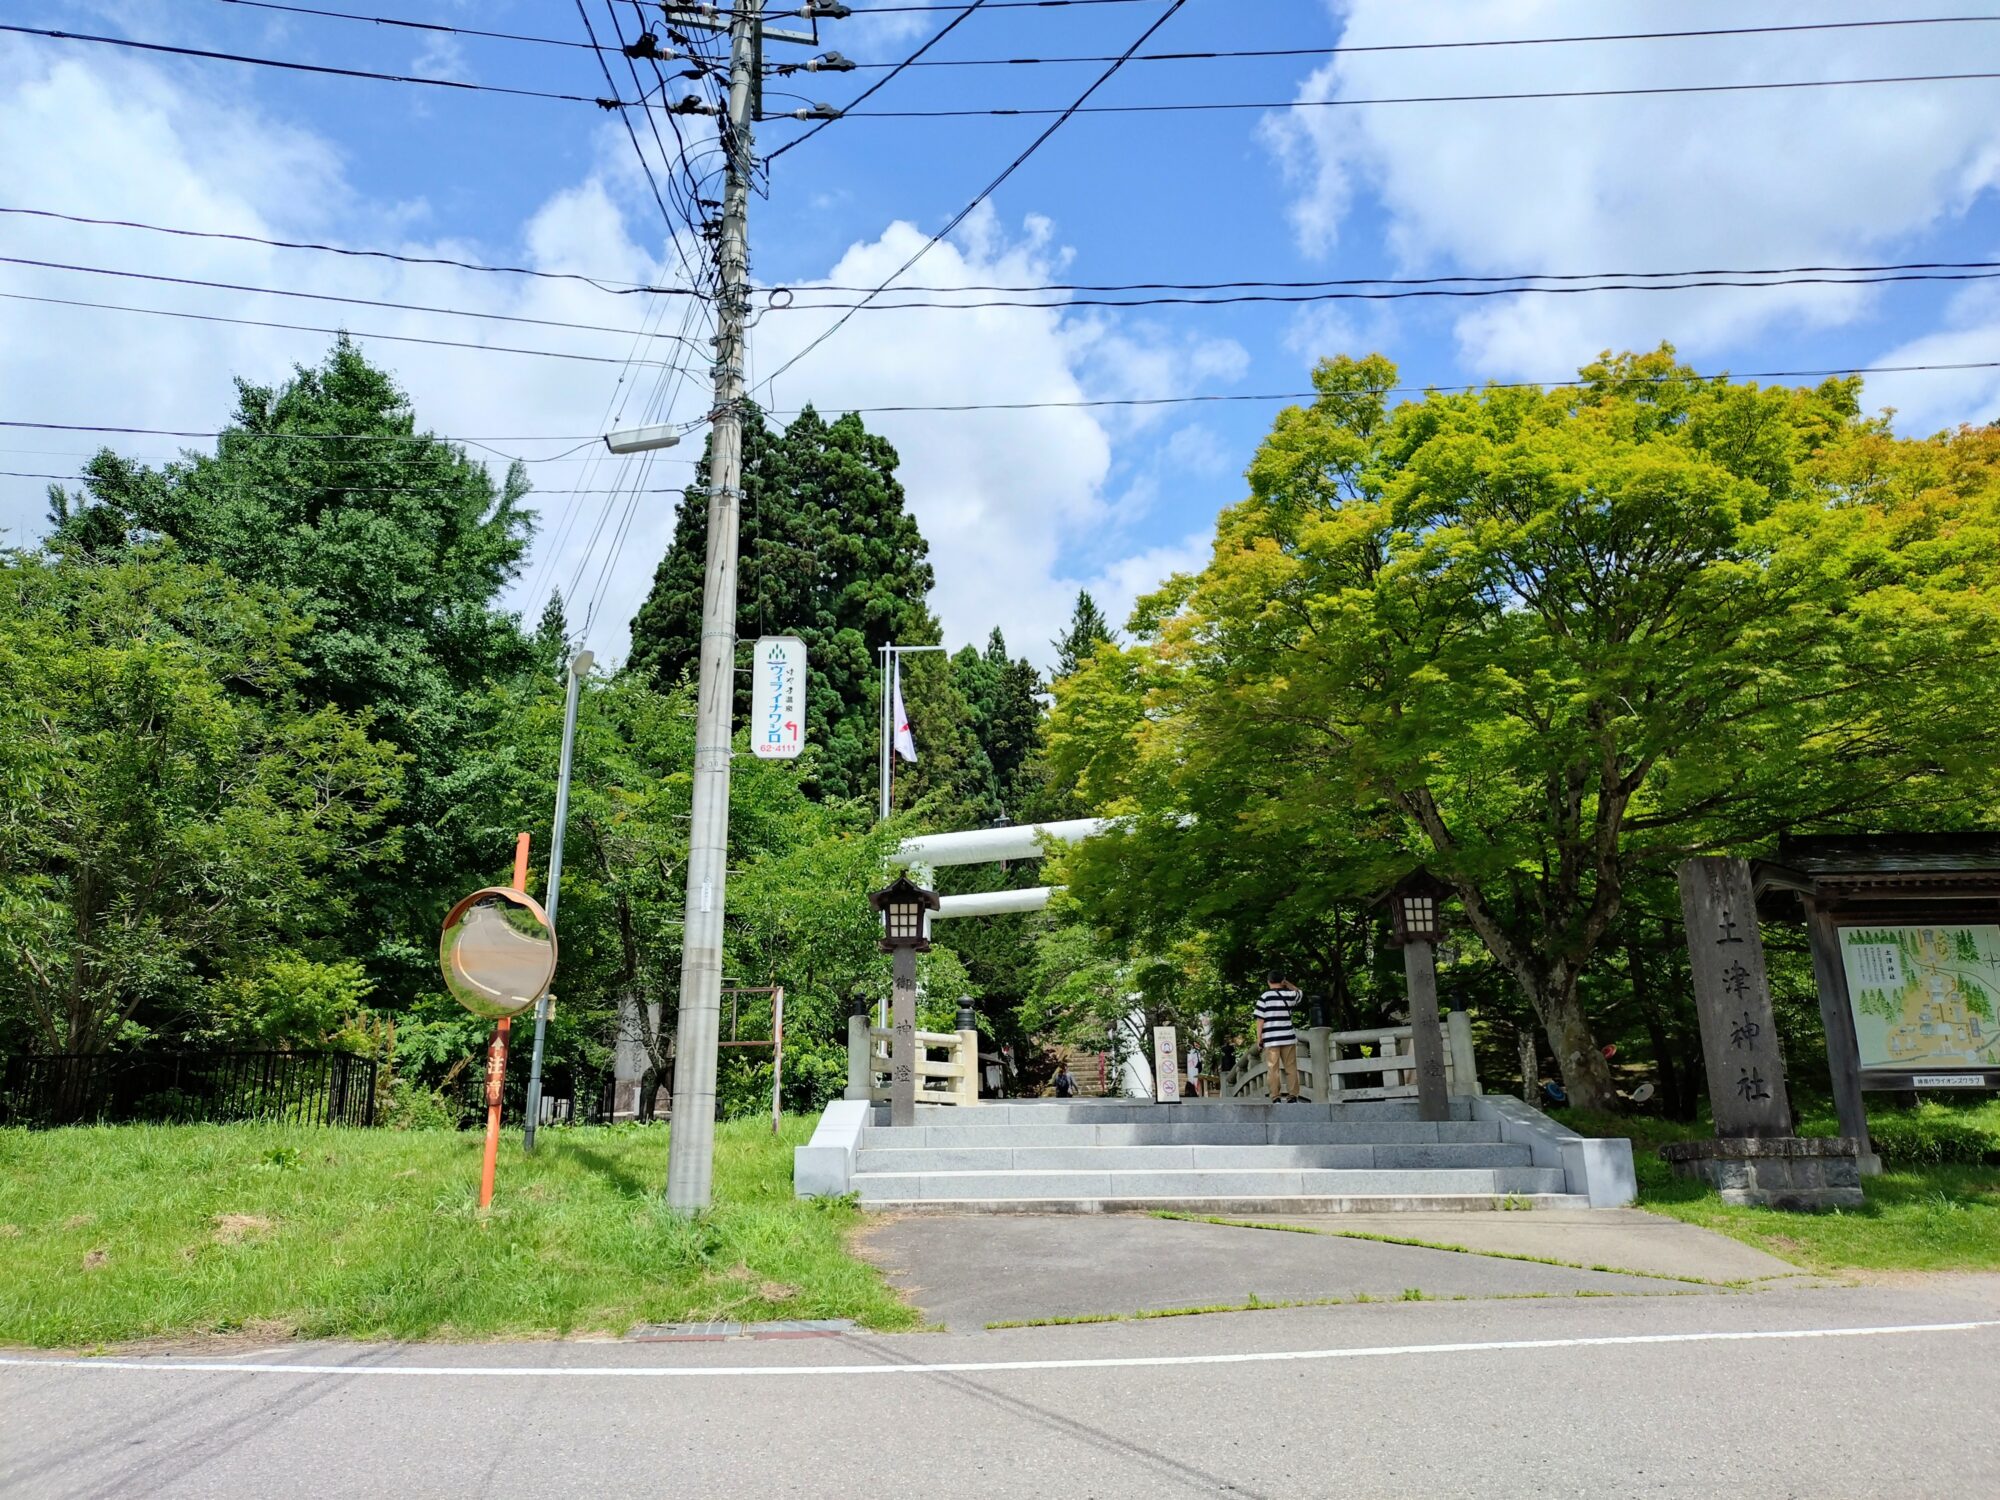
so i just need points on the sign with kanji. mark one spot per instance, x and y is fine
(778, 698)
(1739, 1038)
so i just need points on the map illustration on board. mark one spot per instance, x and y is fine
(1923, 997)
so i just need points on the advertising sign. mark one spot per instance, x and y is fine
(778, 698)
(1923, 998)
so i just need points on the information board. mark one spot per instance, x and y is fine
(1923, 998)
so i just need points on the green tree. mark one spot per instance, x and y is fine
(1543, 641)
(175, 814)
(1088, 629)
(1004, 696)
(829, 553)
(391, 545)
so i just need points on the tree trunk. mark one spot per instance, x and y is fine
(1586, 1075)
(1656, 1030)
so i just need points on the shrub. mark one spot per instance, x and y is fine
(408, 1105)
(1933, 1135)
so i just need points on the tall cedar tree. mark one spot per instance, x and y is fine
(392, 543)
(1005, 698)
(829, 553)
(1088, 629)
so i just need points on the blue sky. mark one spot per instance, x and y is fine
(1022, 508)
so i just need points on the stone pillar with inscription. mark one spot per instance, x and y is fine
(1755, 1158)
(1739, 1036)
(903, 1043)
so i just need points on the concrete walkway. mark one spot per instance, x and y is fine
(970, 1271)
(1628, 1238)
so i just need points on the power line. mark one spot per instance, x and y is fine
(366, 489)
(303, 67)
(885, 80)
(601, 283)
(986, 192)
(275, 291)
(898, 10)
(1343, 50)
(397, 21)
(1205, 107)
(1339, 50)
(618, 288)
(1450, 280)
(394, 338)
(1396, 296)
(580, 442)
(1401, 390)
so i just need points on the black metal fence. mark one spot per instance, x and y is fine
(572, 1094)
(295, 1088)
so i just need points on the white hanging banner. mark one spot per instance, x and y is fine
(778, 698)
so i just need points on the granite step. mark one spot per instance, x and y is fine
(970, 1130)
(1146, 1111)
(879, 1189)
(1197, 1156)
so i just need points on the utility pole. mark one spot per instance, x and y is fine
(691, 1147)
(579, 668)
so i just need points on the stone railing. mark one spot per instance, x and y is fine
(1332, 1067)
(947, 1063)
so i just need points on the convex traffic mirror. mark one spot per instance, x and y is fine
(498, 953)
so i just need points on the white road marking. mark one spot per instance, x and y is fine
(976, 1367)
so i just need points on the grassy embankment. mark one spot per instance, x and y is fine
(1921, 1215)
(117, 1233)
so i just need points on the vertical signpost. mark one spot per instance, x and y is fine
(1166, 1065)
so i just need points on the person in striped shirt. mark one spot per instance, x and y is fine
(1279, 1038)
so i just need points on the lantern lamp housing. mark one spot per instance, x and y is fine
(906, 909)
(1416, 909)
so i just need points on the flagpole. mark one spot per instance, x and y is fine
(892, 668)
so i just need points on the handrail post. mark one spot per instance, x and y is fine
(968, 1053)
(859, 1045)
(1319, 1044)
(1458, 1039)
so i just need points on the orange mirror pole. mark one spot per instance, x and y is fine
(496, 1058)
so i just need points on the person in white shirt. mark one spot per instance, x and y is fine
(1194, 1071)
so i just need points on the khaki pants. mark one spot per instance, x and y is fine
(1282, 1070)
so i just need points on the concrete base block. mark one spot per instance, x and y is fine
(824, 1167)
(1798, 1173)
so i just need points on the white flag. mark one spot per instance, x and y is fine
(906, 743)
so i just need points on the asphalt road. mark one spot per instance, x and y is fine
(1822, 1393)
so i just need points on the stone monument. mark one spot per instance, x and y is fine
(1756, 1158)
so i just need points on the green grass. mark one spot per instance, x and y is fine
(1916, 1218)
(116, 1233)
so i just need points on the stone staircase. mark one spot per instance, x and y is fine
(1120, 1154)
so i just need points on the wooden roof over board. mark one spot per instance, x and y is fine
(1843, 867)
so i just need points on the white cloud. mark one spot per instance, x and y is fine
(1017, 505)
(1749, 179)
(1927, 402)
(1005, 497)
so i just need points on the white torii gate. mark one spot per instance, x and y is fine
(979, 846)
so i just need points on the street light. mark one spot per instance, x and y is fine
(1416, 920)
(906, 909)
(641, 439)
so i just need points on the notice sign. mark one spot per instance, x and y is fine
(1166, 1065)
(778, 698)
(1924, 997)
